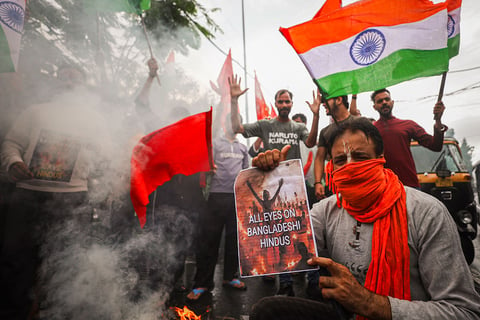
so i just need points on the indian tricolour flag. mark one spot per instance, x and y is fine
(12, 15)
(372, 44)
(453, 27)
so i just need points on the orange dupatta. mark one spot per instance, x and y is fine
(372, 194)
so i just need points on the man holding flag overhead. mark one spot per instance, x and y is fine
(278, 132)
(359, 48)
(397, 134)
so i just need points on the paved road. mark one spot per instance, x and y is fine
(228, 303)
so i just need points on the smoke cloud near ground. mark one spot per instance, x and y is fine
(95, 258)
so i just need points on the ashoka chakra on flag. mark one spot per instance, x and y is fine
(367, 47)
(450, 26)
(11, 14)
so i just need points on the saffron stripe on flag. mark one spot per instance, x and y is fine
(365, 58)
(355, 18)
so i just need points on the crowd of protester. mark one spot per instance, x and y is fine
(62, 171)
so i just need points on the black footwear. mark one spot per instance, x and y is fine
(285, 290)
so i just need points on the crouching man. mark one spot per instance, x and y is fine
(392, 252)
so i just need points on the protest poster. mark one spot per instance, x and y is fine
(275, 233)
(54, 156)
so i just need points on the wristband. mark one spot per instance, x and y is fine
(318, 182)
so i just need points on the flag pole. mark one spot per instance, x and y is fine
(100, 61)
(148, 43)
(440, 92)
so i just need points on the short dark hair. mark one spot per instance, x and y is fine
(302, 117)
(374, 93)
(357, 124)
(282, 91)
(344, 100)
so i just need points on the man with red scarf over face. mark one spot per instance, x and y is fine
(392, 252)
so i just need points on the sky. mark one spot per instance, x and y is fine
(278, 66)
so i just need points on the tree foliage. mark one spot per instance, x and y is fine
(110, 47)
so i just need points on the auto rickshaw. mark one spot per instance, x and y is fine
(445, 176)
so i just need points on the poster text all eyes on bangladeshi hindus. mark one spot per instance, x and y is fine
(275, 234)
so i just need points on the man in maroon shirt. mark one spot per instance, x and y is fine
(397, 134)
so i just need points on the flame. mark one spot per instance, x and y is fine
(186, 314)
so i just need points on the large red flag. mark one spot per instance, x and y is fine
(184, 147)
(263, 111)
(223, 89)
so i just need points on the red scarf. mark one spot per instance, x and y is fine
(372, 194)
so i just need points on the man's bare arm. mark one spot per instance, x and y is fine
(439, 128)
(143, 96)
(235, 92)
(353, 106)
(315, 107)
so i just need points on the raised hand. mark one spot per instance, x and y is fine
(235, 89)
(438, 110)
(316, 101)
(152, 67)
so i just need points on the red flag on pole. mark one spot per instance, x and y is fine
(222, 88)
(307, 165)
(263, 111)
(273, 114)
(171, 57)
(184, 147)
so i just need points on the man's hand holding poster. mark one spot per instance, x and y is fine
(275, 233)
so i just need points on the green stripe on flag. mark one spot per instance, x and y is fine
(453, 46)
(6, 63)
(400, 66)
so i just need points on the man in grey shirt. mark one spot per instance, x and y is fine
(280, 131)
(403, 259)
